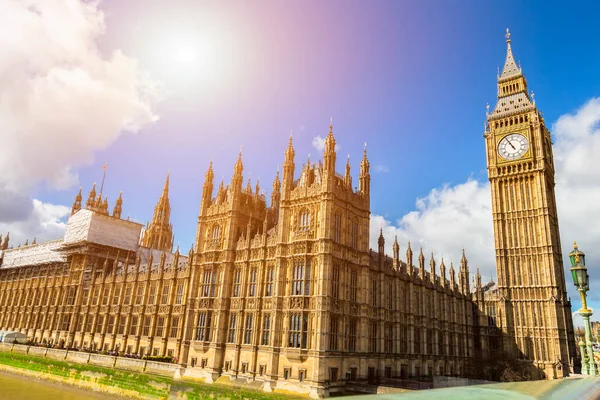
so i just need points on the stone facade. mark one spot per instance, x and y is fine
(289, 294)
(531, 307)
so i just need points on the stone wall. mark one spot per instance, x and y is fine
(129, 364)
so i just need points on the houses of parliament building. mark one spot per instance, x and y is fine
(286, 291)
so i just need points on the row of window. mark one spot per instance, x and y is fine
(301, 283)
(69, 295)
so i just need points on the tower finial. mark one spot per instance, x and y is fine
(507, 36)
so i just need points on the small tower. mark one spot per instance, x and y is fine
(396, 251)
(381, 246)
(159, 234)
(348, 177)
(91, 201)
(276, 193)
(421, 264)
(364, 179)
(207, 188)
(118, 209)
(443, 273)
(5, 243)
(288, 169)
(409, 259)
(329, 155)
(464, 274)
(236, 180)
(452, 277)
(77, 203)
(432, 269)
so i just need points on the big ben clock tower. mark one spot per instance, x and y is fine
(534, 311)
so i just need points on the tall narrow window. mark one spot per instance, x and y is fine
(248, 331)
(390, 295)
(179, 296)
(266, 329)
(139, 298)
(353, 286)
(128, 290)
(354, 234)
(122, 322)
(269, 282)
(209, 283)
(174, 327)
(204, 321)
(146, 329)
(105, 295)
(374, 292)
(352, 335)
(298, 330)
(237, 279)
(335, 281)
(165, 294)
(134, 325)
(232, 328)
(389, 338)
(252, 283)
(216, 232)
(301, 279)
(333, 333)
(337, 228)
(111, 324)
(160, 326)
(116, 295)
(373, 337)
(99, 323)
(304, 224)
(152, 295)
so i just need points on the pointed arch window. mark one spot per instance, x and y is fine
(216, 232)
(304, 222)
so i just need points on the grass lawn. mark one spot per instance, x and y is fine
(145, 385)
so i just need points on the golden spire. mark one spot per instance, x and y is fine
(510, 67)
(91, 201)
(118, 209)
(77, 203)
(159, 234)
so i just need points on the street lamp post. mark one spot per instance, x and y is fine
(582, 282)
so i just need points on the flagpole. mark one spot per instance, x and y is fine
(103, 177)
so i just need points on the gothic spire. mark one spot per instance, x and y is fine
(159, 234)
(91, 201)
(118, 209)
(77, 203)
(510, 67)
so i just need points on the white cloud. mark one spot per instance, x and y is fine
(61, 99)
(45, 222)
(318, 143)
(380, 168)
(453, 217)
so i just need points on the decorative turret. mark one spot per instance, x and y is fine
(236, 181)
(443, 273)
(249, 187)
(159, 234)
(91, 201)
(421, 264)
(432, 269)
(381, 245)
(288, 168)
(5, 242)
(452, 277)
(464, 274)
(207, 188)
(364, 178)
(348, 177)
(257, 188)
(34, 240)
(118, 209)
(276, 193)
(26, 242)
(77, 203)
(329, 155)
(396, 251)
(478, 280)
(409, 259)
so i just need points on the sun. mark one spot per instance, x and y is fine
(186, 54)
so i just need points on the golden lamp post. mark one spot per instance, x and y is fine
(582, 283)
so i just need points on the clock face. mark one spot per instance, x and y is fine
(513, 146)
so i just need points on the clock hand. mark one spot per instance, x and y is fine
(511, 145)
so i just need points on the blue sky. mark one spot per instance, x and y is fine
(411, 79)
